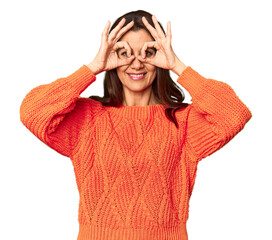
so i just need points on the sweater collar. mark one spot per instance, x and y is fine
(137, 112)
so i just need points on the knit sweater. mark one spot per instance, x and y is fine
(134, 169)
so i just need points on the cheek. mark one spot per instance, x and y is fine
(151, 69)
(121, 71)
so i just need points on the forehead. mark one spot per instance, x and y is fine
(136, 39)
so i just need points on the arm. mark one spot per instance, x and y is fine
(215, 116)
(55, 113)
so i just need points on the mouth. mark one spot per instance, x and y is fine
(137, 76)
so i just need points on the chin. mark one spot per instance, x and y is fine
(136, 87)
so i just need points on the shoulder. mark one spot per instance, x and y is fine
(183, 111)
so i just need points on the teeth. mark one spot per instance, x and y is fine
(136, 75)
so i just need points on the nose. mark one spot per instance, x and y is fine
(136, 63)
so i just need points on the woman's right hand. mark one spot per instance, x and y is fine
(107, 58)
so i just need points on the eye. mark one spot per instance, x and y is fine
(124, 54)
(150, 52)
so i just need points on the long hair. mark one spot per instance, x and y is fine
(165, 90)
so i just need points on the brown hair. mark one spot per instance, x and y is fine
(165, 90)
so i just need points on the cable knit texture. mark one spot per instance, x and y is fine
(134, 170)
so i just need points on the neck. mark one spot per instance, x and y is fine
(143, 101)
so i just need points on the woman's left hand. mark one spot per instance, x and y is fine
(165, 56)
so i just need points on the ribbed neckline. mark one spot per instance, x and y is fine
(137, 112)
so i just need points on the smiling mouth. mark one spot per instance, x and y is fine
(136, 76)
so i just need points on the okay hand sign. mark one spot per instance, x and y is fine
(165, 56)
(107, 58)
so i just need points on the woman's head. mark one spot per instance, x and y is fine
(136, 37)
(137, 77)
(118, 80)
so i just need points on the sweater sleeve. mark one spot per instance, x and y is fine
(55, 112)
(215, 116)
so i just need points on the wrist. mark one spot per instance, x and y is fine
(179, 67)
(93, 68)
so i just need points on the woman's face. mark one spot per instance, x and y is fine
(137, 76)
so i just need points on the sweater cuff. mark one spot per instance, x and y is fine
(81, 79)
(191, 79)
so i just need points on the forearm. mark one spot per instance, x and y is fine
(45, 106)
(216, 116)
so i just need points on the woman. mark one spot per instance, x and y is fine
(135, 151)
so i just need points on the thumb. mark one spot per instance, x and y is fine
(126, 61)
(145, 60)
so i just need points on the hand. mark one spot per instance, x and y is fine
(165, 56)
(107, 58)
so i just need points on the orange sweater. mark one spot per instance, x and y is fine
(134, 170)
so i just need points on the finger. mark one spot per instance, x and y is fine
(128, 48)
(168, 33)
(145, 60)
(105, 31)
(124, 30)
(114, 32)
(117, 46)
(150, 28)
(147, 45)
(158, 27)
(125, 45)
(126, 61)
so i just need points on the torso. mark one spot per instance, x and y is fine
(184, 230)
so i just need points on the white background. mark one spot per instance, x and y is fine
(229, 41)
